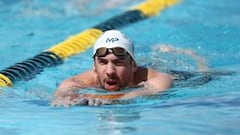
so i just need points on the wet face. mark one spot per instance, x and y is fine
(114, 72)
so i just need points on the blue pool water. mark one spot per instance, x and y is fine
(210, 28)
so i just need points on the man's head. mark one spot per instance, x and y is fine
(114, 60)
(114, 39)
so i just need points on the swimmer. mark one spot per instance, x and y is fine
(114, 69)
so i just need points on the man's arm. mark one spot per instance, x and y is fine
(156, 83)
(69, 87)
(77, 82)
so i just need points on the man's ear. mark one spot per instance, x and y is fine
(94, 67)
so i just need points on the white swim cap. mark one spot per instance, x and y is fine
(112, 39)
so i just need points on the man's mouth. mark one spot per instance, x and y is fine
(111, 82)
(111, 85)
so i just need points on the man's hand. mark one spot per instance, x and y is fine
(81, 99)
(95, 101)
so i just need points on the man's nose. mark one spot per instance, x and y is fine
(110, 69)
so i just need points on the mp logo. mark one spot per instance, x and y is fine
(111, 40)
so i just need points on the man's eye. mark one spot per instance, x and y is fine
(119, 63)
(102, 62)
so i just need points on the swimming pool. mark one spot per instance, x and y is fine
(208, 27)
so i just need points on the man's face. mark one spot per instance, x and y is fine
(114, 72)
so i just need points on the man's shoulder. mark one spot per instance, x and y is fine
(155, 73)
(88, 77)
(147, 71)
(159, 80)
(86, 74)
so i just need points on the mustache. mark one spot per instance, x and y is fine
(112, 78)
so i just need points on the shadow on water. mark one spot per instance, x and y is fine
(192, 79)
